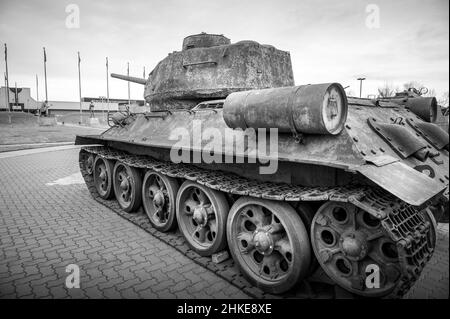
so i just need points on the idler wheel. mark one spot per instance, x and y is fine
(349, 244)
(158, 197)
(432, 235)
(89, 160)
(127, 186)
(269, 242)
(103, 181)
(201, 217)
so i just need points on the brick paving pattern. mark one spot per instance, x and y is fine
(44, 228)
(434, 281)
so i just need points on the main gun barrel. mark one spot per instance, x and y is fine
(129, 78)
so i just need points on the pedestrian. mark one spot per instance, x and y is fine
(91, 109)
(43, 109)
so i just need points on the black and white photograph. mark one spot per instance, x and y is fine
(226, 155)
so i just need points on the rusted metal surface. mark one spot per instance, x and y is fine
(209, 67)
(129, 78)
(350, 150)
(381, 160)
(424, 107)
(404, 182)
(335, 151)
(341, 151)
(431, 133)
(371, 145)
(402, 141)
(311, 109)
(204, 40)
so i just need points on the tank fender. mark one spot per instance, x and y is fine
(404, 182)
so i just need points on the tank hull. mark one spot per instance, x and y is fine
(357, 168)
(357, 153)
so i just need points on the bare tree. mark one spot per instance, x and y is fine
(418, 86)
(443, 100)
(350, 92)
(387, 90)
(413, 84)
(431, 92)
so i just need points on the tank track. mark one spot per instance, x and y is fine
(405, 225)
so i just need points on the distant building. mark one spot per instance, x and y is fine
(19, 100)
(22, 101)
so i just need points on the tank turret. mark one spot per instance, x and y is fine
(204, 40)
(210, 67)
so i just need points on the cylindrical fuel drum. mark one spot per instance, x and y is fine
(309, 109)
(424, 107)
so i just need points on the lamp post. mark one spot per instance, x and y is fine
(16, 96)
(79, 87)
(37, 93)
(360, 85)
(128, 74)
(45, 76)
(7, 82)
(6, 94)
(107, 86)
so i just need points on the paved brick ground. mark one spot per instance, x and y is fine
(434, 281)
(44, 228)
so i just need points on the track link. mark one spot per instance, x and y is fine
(405, 225)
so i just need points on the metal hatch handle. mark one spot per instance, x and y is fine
(185, 65)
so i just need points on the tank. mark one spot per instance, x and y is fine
(300, 183)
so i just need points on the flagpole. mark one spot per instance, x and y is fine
(16, 95)
(7, 79)
(128, 74)
(107, 84)
(79, 87)
(145, 77)
(37, 89)
(45, 75)
(6, 97)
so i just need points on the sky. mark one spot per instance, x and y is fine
(388, 42)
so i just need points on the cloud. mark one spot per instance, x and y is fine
(328, 40)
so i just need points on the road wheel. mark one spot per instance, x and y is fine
(103, 180)
(349, 243)
(269, 243)
(201, 215)
(158, 197)
(306, 213)
(127, 187)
